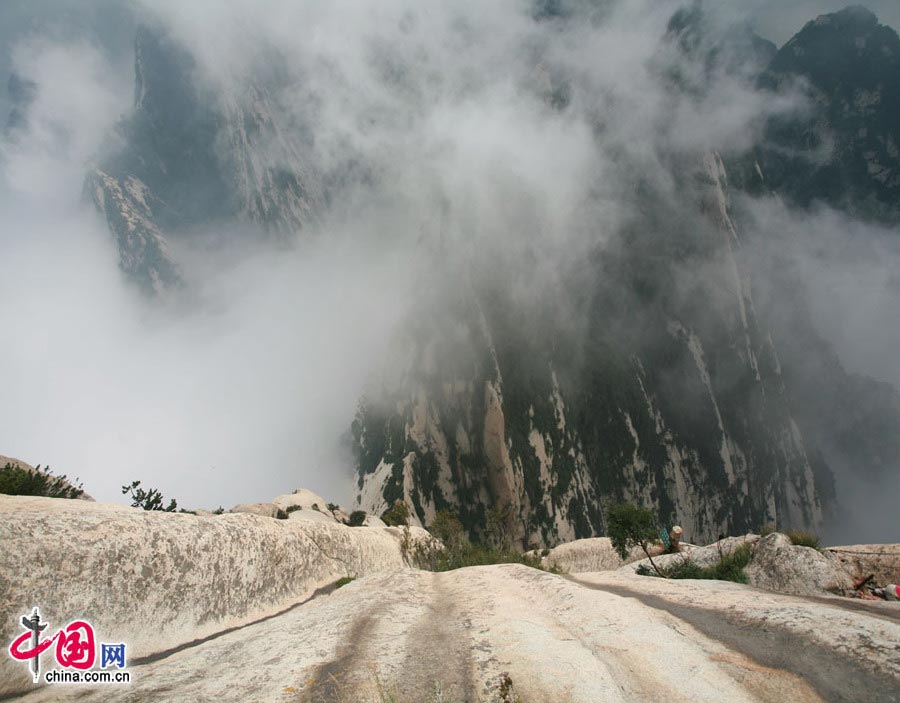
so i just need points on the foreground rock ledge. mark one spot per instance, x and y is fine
(158, 580)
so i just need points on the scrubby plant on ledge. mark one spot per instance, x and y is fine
(357, 518)
(730, 567)
(397, 515)
(801, 538)
(149, 499)
(451, 549)
(629, 526)
(16, 480)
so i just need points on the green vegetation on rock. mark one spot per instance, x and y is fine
(16, 480)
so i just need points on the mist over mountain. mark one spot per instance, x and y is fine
(533, 256)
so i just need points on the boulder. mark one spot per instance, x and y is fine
(263, 509)
(783, 567)
(302, 498)
(311, 515)
(583, 555)
(373, 521)
(860, 560)
(157, 580)
(701, 556)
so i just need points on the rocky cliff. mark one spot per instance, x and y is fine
(194, 156)
(159, 580)
(670, 395)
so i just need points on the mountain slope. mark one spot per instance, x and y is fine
(196, 157)
(680, 407)
(845, 149)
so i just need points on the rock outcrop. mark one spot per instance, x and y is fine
(592, 554)
(157, 580)
(860, 560)
(502, 408)
(782, 567)
(415, 636)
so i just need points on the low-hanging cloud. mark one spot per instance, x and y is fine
(485, 136)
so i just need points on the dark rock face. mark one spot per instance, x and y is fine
(21, 94)
(655, 395)
(842, 151)
(193, 157)
(845, 149)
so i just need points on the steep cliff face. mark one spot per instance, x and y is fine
(841, 151)
(844, 149)
(654, 398)
(196, 156)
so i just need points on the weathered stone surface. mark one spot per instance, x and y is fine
(373, 521)
(593, 554)
(701, 556)
(156, 580)
(561, 641)
(780, 566)
(860, 560)
(302, 498)
(263, 509)
(777, 565)
(311, 515)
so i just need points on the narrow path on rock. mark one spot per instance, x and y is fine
(835, 677)
(398, 636)
(438, 654)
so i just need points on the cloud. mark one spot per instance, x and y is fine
(779, 21)
(482, 139)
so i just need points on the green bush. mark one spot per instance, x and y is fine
(397, 515)
(729, 568)
(801, 538)
(628, 526)
(293, 508)
(455, 551)
(150, 499)
(16, 480)
(343, 581)
(357, 518)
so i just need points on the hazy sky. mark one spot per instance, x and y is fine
(779, 20)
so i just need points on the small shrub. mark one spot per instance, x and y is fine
(501, 523)
(628, 526)
(293, 509)
(801, 538)
(730, 567)
(150, 499)
(219, 511)
(766, 530)
(281, 514)
(447, 528)
(16, 480)
(333, 506)
(397, 515)
(455, 551)
(357, 518)
(343, 581)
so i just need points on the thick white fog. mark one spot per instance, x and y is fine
(242, 388)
